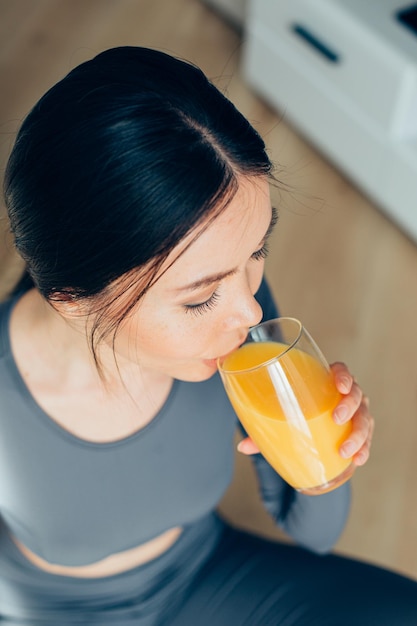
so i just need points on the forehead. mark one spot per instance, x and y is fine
(217, 242)
(249, 205)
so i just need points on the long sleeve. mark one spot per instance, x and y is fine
(314, 522)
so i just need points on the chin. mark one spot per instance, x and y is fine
(198, 374)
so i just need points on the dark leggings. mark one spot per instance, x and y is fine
(213, 576)
(253, 582)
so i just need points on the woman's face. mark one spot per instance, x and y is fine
(202, 306)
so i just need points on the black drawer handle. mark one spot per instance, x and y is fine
(315, 43)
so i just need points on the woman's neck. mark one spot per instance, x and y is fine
(55, 360)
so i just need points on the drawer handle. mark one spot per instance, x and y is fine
(315, 43)
(408, 18)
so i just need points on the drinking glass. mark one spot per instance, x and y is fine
(283, 392)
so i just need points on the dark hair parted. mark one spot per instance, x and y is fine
(116, 163)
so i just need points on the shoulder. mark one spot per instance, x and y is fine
(5, 311)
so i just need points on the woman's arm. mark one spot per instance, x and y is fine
(314, 522)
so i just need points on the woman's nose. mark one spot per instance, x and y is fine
(245, 312)
(255, 314)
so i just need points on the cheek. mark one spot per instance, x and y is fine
(173, 338)
(166, 332)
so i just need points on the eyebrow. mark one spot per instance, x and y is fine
(215, 278)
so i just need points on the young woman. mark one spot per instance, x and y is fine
(138, 198)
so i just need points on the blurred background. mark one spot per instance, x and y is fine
(344, 255)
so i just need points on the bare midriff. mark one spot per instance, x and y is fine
(113, 564)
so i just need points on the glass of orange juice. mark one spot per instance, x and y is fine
(283, 392)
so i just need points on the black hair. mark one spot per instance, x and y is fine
(116, 163)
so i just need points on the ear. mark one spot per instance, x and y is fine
(68, 305)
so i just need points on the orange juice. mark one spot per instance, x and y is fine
(286, 408)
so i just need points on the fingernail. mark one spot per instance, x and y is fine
(340, 414)
(347, 449)
(345, 382)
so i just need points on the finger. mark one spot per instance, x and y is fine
(361, 434)
(342, 377)
(362, 455)
(247, 446)
(349, 404)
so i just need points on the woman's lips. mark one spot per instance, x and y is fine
(213, 362)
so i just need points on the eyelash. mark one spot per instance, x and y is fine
(261, 254)
(203, 307)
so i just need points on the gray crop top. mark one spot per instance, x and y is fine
(74, 502)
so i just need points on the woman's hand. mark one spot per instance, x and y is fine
(353, 406)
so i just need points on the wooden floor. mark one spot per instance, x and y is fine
(336, 261)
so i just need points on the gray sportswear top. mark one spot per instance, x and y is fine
(75, 502)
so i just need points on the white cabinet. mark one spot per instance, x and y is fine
(345, 73)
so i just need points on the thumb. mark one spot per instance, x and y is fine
(247, 446)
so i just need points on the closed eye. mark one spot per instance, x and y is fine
(261, 254)
(202, 307)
